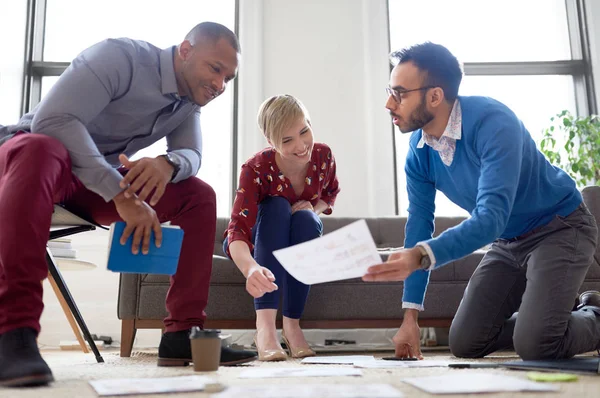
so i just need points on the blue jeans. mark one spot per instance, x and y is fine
(277, 228)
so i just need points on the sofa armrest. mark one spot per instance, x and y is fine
(129, 296)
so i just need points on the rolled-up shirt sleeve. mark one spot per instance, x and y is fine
(331, 188)
(98, 75)
(251, 191)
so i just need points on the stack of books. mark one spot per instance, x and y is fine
(61, 247)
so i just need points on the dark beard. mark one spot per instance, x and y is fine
(420, 117)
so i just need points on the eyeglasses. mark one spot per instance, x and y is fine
(397, 94)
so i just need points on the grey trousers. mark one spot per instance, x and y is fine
(521, 296)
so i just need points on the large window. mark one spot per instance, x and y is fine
(13, 17)
(528, 54)
(66, 27)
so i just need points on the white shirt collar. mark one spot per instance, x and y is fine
(453, 128)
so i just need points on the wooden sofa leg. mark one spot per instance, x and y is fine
(127, 336)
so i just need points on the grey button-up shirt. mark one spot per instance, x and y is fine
(118, 96)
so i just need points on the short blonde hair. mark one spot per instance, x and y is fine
(277, 114)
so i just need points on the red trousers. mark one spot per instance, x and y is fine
(35, 173)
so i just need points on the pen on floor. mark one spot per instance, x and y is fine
(473, 365)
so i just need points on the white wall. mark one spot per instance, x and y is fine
(320, 51)
(13, 15)
(314, 50)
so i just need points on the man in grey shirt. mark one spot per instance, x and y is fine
(116, 97)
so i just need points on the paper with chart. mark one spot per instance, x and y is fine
(342, 254)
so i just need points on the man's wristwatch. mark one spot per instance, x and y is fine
(171, 160)
(425, 260)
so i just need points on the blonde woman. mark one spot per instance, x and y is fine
(282, 190)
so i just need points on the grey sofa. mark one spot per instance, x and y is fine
(344, 304)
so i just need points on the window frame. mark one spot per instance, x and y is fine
(579, 67)
(35, 69)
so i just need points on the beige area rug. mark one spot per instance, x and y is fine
(72, 371)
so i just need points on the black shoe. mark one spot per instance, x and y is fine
(21, 364)
(231, 357)
(175, 350)
(590, 297)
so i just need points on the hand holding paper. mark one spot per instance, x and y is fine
(348, 252)
(342, 254)
(397, 268)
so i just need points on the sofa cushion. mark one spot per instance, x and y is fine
(225, 272)
(149, 279)
(222, 224)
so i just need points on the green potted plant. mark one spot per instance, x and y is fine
(573, 144)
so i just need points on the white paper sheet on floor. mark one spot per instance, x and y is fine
(304, 371)
(306, 390)
(468, 382)
(337, 359)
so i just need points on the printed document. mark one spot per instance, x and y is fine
(342, 254)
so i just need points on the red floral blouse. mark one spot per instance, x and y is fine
(260, 177)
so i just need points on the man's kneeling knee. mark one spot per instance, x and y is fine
(531, 349)
(462, 346)
(466, 351)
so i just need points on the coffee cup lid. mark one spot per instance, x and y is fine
(196, 332)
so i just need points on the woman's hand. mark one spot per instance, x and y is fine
(259, 280)
(302, 205)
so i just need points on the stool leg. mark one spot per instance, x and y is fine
(53, 269)
(67, 311)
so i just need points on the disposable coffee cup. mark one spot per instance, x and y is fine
(206, 349)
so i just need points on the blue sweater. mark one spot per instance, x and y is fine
(497, 175)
